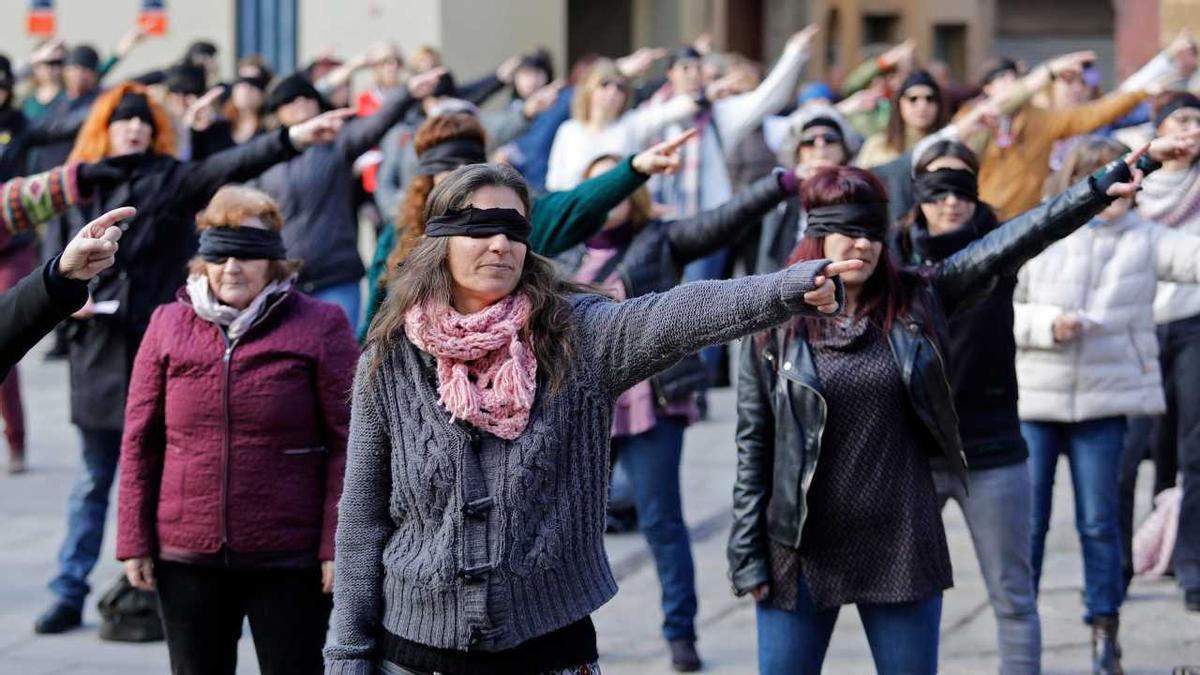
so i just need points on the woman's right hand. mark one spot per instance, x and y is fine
(824, 293)
(140, 573)
(761, 592)
(661, 158)
(1067, 327)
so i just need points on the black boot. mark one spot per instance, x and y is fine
(1106, 652)
(59, 618)
(684, 658)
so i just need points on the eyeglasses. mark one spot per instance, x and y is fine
(827, 138)
(915, 98)
(613, 82)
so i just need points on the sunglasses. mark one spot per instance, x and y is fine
(613, 82)
(827, 138)
(916, 98)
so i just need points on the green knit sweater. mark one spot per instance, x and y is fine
(561, 220)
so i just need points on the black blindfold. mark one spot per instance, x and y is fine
(473, 222)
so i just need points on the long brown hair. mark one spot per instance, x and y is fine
(410, 217)
(425, 276)
(91, 145)
(896, 132)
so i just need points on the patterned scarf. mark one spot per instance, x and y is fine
(235, 321)
(487, 374)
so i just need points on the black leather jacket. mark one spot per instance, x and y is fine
(654, 259)
(781, 412)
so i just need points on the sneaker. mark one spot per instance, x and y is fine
(59, 618)
(684, 658)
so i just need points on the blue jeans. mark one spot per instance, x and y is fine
(903, 636)
(87, 509)
(348, 296)
(997, 514)
(651, 460)
(1094, 449)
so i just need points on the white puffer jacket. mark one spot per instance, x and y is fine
(1106, 273)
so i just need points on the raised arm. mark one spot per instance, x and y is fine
(564, 219)
(695, 237)
(28, 201)
(649, 119)
(1004, 250)
(237, 164)
(627, 342)
(363, 133)
(749, 567)
(738, 115)
(364, 526)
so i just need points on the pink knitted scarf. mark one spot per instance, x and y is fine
(487, 374)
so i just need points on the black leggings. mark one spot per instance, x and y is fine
(203, 609)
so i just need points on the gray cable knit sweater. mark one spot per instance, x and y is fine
(455, 542)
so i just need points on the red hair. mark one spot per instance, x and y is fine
(884, 296)
(91, 145)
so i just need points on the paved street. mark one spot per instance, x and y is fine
(1156, 633)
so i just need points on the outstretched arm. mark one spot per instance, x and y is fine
(708, 231)
(627, 342)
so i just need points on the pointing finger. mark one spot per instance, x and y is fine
(833, 269)
(674, 143)
(99, 226)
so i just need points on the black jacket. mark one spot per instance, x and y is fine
(315, 191)
(654, 259)
(32, 308)
(777, 237)
(151, 262)
(781, 413)
(981, 350)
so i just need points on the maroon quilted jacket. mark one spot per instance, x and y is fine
(237, 447)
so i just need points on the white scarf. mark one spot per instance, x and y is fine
(235, 321)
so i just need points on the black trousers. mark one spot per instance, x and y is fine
(203, 609)
(1174, 443)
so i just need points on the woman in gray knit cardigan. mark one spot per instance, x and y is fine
(470, 529)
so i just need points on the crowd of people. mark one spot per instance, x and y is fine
(938, 288)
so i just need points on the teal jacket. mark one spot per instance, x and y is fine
(561, 220)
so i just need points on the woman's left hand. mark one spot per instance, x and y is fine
(1175, 146)
(327, 576)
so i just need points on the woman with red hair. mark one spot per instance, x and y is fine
(129, 137)
(840, 422)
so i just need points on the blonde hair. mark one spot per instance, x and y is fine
(602, 69)
(232, 206)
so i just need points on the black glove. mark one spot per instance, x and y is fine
(100, 175)
(1116, 171)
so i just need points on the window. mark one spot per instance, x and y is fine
(268, 27)
(880, 29)
(950, 47)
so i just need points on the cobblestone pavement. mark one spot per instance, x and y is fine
(1156, 632)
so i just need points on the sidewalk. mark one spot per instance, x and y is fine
(1156, 633)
